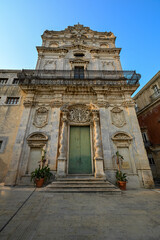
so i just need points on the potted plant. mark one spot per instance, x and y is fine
(42, 173)
(121, 180)
(120, 176)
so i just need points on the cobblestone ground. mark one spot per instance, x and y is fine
(35, 215)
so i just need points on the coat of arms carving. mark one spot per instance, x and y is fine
(41, 117)
(118, 118)
(79, 113)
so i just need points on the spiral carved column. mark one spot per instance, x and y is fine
(98, 156)
(61, 166)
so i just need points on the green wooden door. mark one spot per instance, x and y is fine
(80, 150)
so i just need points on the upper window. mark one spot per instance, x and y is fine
(12, 100)
(3, 80)
(15, 81)
(79, 72)
(1, 144)
(145, 137)
(79, 55)
(155, 88)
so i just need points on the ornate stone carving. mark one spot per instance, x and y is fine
(41, 117)
(29, 103)
(122, 139)
(79, 114)
(128, 103)
(50, 65)
(118, 118)
(108, 65)
(37, 139)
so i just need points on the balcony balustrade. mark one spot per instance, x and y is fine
(68, 77)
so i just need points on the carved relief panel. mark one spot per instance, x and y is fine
(79, 114)
(117, 116)
(41, 117)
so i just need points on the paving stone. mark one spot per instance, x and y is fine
(134, 215)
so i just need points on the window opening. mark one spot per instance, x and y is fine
(15, 81)
(79, 72)
(1, 144)
(12, 100)
(3, 80)
(79, 55)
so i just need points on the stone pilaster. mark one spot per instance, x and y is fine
(62, 159)
(98, 155)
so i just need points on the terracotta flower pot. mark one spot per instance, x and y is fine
(39, 182)
(122, 185)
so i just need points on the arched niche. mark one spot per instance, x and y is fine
(36, 141)
(122, 139)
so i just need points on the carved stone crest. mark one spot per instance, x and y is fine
(118, 118)
(79, 113)
(41, 117)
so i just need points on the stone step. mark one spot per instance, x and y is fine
(79, 186)
(81, 179)
(83, 190)
(81, 182)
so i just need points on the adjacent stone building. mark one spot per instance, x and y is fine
(77, 106)
(148, 113)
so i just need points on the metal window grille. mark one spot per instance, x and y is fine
(15, 81)
(3, 80)
(12, 100)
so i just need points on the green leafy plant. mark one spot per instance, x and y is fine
(43, 171)
(121, 176)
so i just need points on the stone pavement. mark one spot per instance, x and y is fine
(29, 214)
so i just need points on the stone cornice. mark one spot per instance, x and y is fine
(106, 50)
(79, 47)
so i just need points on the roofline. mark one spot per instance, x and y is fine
(147, 84)
(10, 70)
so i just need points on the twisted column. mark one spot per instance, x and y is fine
(98, 156)
(61, 167)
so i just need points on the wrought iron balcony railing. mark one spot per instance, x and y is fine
(69, 77)
(155, 95)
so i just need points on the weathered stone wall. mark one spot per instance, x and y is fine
(10, 117)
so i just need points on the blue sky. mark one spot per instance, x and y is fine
(135, 23)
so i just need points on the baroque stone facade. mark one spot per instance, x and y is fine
(78, 87)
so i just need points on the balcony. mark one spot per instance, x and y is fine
(68, 77)
(155, 95)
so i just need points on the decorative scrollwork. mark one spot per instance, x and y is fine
(79, 113)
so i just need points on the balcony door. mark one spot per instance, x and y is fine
(80, 150)
(78, 72)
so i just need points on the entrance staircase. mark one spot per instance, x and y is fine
(82, 184)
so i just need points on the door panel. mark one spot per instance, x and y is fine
(80, 150)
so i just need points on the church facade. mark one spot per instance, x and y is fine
(77, 106)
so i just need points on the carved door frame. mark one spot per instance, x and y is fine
(80, 115)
